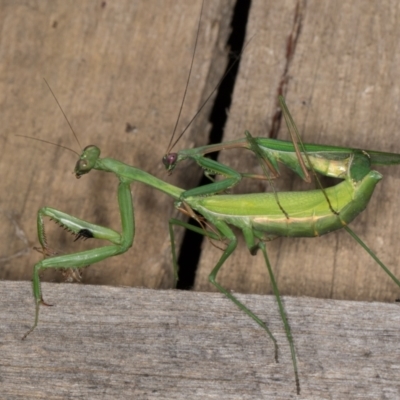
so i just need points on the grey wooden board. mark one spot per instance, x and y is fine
(109, 64)
(114, 63)
(115, 343)
(343, 85)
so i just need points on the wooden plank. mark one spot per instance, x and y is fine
(110, 64)
(115, 343)
(342, 87)
(95, 342)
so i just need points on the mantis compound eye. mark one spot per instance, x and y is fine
(169, 161)
(87, 160)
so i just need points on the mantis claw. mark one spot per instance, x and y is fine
(45, 304)
(46, 251)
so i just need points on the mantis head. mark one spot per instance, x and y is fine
(87, 160)
(169, 161)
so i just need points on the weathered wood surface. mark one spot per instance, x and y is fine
(117, 343)
(343, 87)
(116, 63)
(113, 63)
(110, 64)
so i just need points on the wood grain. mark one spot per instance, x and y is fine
(342, 85)
(117, 63)
(117, 343)
(113, 64)
(110, 64)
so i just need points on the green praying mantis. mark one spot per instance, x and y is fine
(261, 217)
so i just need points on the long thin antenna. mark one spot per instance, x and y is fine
(46, 141)
(59, 105)
(187, 83)
(170, 147)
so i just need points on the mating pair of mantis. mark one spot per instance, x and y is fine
(260, 216)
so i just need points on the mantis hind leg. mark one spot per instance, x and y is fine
(371, 253)
(224, 233)
(282, 312)
(252, 246)
(120, 242)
